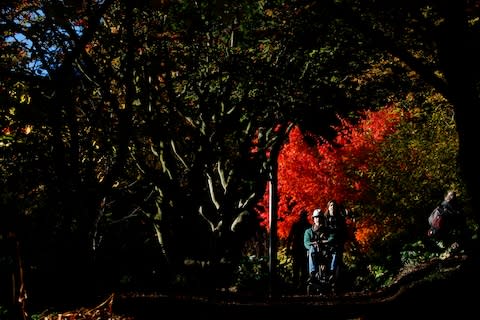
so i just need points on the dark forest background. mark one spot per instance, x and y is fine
(138, 137)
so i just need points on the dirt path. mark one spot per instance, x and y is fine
(438, 289)
(434, 289)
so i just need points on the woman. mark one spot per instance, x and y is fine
(337, 232)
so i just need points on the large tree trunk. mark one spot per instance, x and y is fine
(458, 59)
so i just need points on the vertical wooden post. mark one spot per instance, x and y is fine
(273, 239)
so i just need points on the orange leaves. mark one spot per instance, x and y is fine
(365, 231)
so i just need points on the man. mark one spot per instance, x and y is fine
(313, 239)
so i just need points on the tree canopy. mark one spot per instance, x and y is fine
(141, 134)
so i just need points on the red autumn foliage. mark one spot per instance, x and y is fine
(312, 170)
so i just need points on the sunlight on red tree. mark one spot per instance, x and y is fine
(312, 170)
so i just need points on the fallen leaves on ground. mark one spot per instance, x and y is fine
(102, 311)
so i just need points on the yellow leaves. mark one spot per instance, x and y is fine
(474, 21)
(116, 63)
(20, 93)
(435, 98)
(25, 98)
(412, 74)
(377, 71)
(439, 74)
(27, 129)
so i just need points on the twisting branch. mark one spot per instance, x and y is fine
(210, 223)
(222, 177)
(212, 191)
